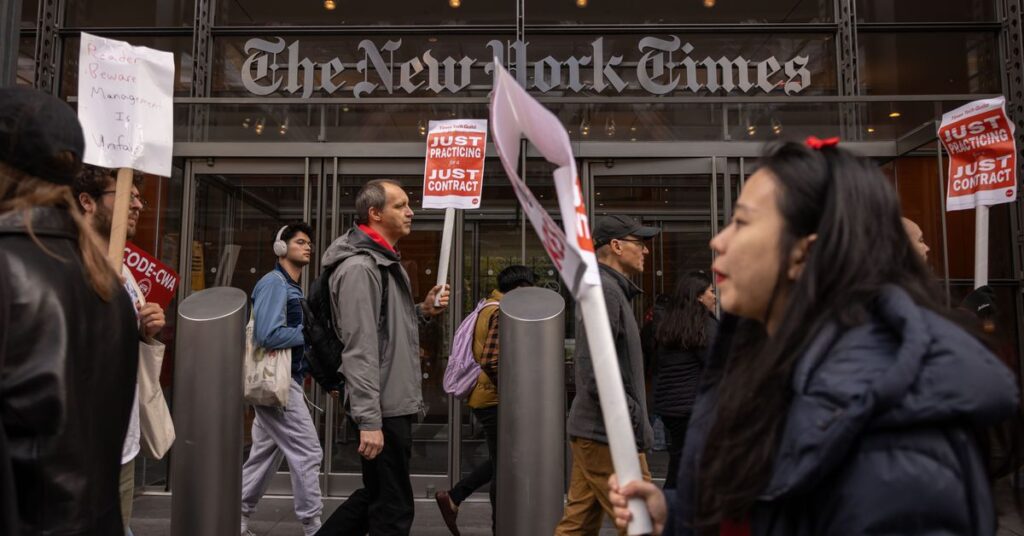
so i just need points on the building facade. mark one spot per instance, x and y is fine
(282, 110)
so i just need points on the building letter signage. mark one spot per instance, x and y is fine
(665, 66)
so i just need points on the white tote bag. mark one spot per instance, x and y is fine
(154, 418)
(155, 424)
(267, 372)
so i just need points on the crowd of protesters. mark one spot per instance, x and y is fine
(836, 394)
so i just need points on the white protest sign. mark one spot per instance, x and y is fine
(515, 114)
(125, 105)
(453, 173)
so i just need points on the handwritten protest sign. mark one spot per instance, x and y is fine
(157, 280)
(454, 170)
(515, 114)
(125, 105)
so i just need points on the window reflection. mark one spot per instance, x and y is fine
(122, 13)
(925, 11)
(669, 12)
(347, 13)
(26, 61)
(907, 63)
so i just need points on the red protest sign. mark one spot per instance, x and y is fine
(454, 171)
(157, 280)
(982, 155)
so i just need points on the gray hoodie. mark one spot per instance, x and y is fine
(382, 374)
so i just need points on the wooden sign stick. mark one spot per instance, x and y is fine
(119, 225)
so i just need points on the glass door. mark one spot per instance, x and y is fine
(681, 197)
(419, 251)
(238, 205)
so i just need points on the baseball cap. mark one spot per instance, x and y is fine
(40, 135)
(609, 228)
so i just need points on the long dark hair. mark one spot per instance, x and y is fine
(684, 324)
(860, 247)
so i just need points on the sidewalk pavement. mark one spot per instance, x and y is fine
(152, 516)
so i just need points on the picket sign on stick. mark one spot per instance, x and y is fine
(453, 176)
(446, 250)
(119, 224)
(514, 114)
(979, 138)
(125, 107)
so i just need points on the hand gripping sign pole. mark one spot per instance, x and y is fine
(515, 114)
(125, 107)
(982, 167)
(453, 176)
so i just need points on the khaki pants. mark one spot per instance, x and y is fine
(127, 491)
(588, 488)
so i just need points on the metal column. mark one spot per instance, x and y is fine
(531, 419)
(206, 469)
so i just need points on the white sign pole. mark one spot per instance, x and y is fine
(515, 114)
(980, 246)
(446, 250)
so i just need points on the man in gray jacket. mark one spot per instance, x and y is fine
(381, 362)
(620, 253)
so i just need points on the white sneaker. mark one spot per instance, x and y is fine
(245, 526)
(311, 527)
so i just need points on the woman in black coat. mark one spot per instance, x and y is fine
(68, 335)
(839, 399)
(681, 334)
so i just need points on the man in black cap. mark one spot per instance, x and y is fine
(621, 248)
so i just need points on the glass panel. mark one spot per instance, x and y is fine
(26, 60)
(668, 12)
(29, 14)
(1003, 339)
(925, 11)
(907, 63)
(242, 65)
(236, 219)
(679, 204)
(121, 13)
(921, 198)
(340, 13)
(181, 47)
(811, 57)
(420, 259)
(159, 232)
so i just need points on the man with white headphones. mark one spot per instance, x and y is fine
(287, 432)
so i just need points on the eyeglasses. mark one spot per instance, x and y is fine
(633, 240)
(303, 243)
(135, 197)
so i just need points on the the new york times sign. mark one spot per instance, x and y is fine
(665, 66)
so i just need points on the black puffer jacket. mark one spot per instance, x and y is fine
(677, 373)
(877, 438)
(67, 382)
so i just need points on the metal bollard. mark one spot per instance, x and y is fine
(531, 413)
(206, 466)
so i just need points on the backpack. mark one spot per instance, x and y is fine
(462, 371)
(324, 347)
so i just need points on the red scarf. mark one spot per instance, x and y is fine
(732, 528)
(376, 237)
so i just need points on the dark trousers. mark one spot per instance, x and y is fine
(384, 505)
(676, 428)
(484, 472)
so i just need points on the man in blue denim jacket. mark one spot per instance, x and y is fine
(284, 432)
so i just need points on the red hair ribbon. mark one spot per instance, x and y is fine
(817, 143)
